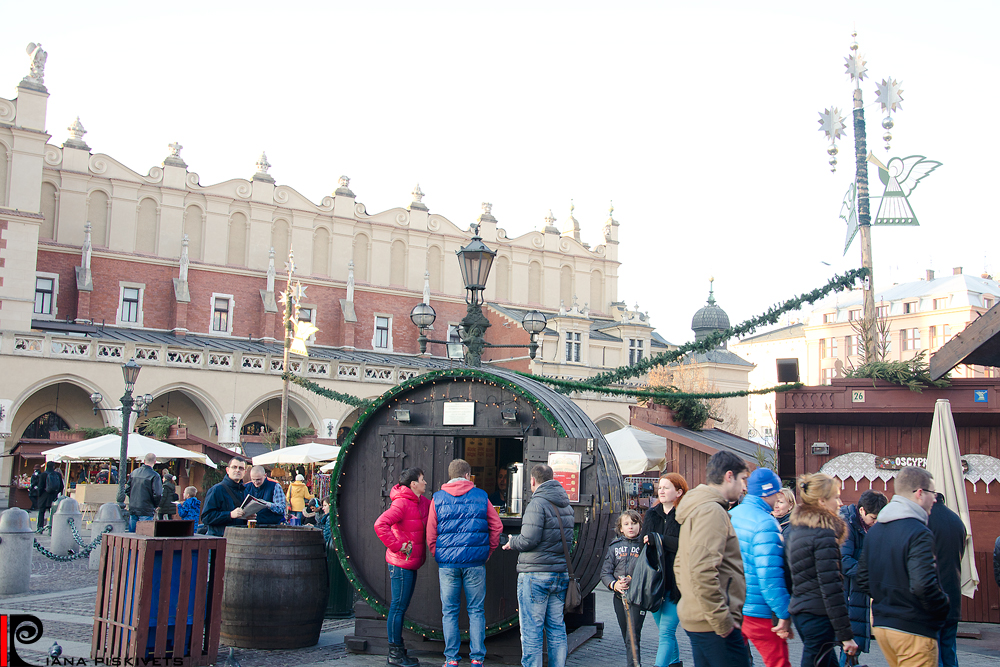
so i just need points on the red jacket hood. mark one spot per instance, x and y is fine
(458, 487)
(404, 492)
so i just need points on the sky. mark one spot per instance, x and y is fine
(698, 120)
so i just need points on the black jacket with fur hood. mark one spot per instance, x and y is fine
(812, 553)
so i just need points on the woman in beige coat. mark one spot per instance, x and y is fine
(297, 495)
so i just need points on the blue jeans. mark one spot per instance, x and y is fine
(452, 580)
(133, 520)
(540, 600)
(667, 652)
(819, 642)
(711, 650)
(948, 645)
(402, 582)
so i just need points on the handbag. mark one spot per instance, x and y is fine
(851, 660)
(648, 585)
(574, 596)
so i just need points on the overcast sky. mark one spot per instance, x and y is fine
(698, 119)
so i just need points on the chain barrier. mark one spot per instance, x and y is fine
(87, 548)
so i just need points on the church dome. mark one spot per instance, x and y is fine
(710, 318)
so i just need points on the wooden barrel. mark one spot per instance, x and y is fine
(275, 588)
(521, 420)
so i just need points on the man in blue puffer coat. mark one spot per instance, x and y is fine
(763, 553)
(463, 529)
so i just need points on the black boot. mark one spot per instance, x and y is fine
(398, 658)
(676, 664)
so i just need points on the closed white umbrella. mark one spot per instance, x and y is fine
(310, 452)
(637, 451)
(109, 447)
(944, 462)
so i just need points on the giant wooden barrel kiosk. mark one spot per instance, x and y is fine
(492, 418)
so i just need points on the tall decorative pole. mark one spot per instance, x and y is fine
(296, 334)
(856, 202)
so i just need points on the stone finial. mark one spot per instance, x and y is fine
(174, 158)
(36, 72)
(427, 287)
(550, 223)
(350, 281)
(76, 133)
(418, 195)
(571, 227)
(87, 248)
(487, 208)
(185, 261)
(262, 164)
(343, 187)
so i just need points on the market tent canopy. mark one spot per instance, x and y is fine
(638, 451)
(310, 452)
(109, 447)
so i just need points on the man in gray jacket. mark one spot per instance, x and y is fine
(145, 489)
(542, 572)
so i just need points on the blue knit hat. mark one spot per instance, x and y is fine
(763, 482)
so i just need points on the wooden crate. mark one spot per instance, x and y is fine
(181, 576)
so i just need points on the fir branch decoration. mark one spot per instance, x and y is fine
(692, 413)
(347, 399)
(914, 373)
(570, 386)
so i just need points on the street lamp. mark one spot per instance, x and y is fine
(130, 371)
(475, 261)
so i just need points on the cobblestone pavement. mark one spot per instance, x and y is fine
(68, 619)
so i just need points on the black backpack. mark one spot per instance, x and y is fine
(53, 482)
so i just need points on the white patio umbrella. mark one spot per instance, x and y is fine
(310, 452)
(637, 451)
(109, 447)
(944, 462)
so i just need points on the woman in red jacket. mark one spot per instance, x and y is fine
(402, 529)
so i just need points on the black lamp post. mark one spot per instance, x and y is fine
(141, 403)
(475, 261)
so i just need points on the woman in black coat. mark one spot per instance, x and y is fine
(812, 553)
(33, 487)
(49, 488)
(660, 520)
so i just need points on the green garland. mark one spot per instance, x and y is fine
(326, 393)
(575, 385)
(335, 476)
(710, 342)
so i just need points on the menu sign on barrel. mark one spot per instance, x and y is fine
(566, 470)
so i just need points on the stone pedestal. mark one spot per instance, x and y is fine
(15, 552)
(62, 534)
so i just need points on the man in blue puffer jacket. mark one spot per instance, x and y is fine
(463, 529)
(763, 554)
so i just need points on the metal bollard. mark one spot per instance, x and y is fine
(62, 534)
(109, 514)
(15, 552)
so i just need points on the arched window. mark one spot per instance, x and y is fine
(40, 427)
(237, 253)
(360, 257)
(397, 264)
(194, 228)
(535, 283)
(502, 278)
(97, 216)
(566, 286)
(279, 241)
(145, 227)
(254, 428)
(597, 292)
(434, 267)
(3, 175)
(321, 252)
(48, 210)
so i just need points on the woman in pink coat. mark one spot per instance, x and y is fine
(402, 528)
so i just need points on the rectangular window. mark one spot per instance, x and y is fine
(852, 345)
(932, 338)
(827, 348)
(828, 375)
(910, 339)
(829, 318)
(381, 339)
(634, 351)
(220, 315)
(882, 311)
(909, 307)
(130, 304)
(941, 304)
(45, 289)
(987, 302)
(572, 346)
(306, 315)
(854, 314)
(947, 334)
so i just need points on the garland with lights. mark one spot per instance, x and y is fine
(348, 399)
(574, 385)
(370, 409)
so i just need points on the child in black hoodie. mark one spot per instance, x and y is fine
(616, 573)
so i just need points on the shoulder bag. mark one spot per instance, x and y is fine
(574, 596)
(648, 585)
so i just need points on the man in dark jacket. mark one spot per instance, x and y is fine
(222, 502)
(144, 489)
(34, 488)
(898, 571)
(859, 518)
(949, 547)
(463, 529)
(542, 571)
(269, 492)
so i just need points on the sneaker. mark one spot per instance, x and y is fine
(451, 663)
(477, 663)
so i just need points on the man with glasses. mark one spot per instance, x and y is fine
(897, 569)
(222, 502)
(859, 518)
(268, 492)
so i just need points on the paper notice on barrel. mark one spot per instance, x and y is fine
(251, 506)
